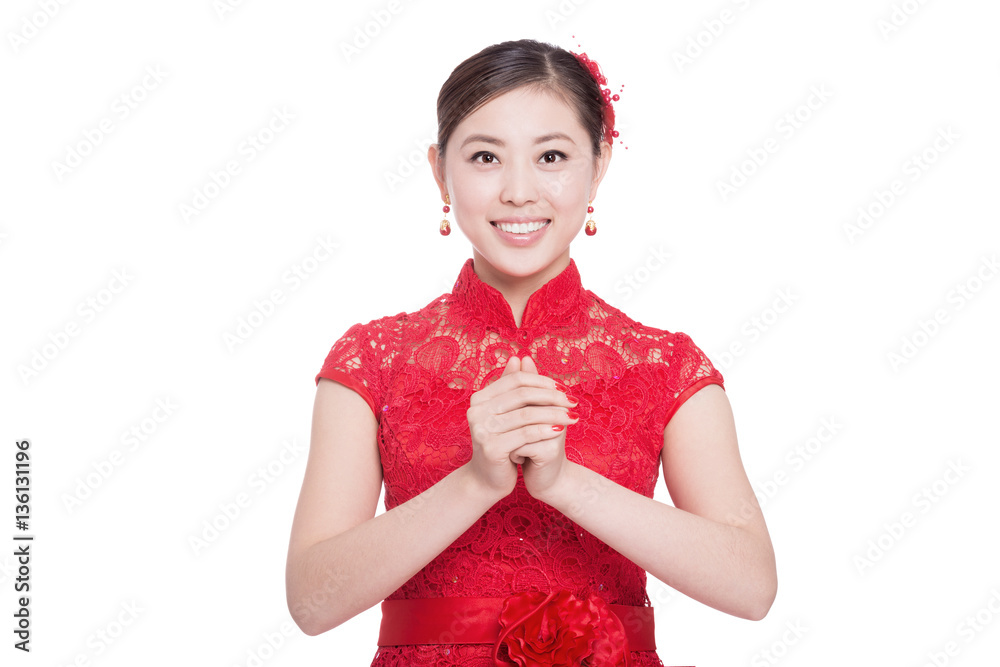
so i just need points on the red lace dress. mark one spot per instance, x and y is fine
(417, 371)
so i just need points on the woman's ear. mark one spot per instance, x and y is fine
(600, 168)
(436, 159)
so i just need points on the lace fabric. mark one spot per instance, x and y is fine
(417, 372)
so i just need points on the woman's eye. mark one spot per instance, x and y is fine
(484, 158)
(552, 157)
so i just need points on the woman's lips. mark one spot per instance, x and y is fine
(525, 223)
(520, 240)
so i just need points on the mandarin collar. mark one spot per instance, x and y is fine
(557, 303)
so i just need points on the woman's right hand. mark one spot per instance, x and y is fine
(520, 407)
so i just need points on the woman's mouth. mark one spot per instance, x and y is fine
(521, 233)
(520, 227)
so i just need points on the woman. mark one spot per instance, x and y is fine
(519, 422)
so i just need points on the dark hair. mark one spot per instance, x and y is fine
(505, 66)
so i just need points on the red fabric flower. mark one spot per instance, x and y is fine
(559, 629)
(609, 110)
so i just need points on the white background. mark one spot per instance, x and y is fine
(895, 74)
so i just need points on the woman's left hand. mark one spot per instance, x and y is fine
(543, 463)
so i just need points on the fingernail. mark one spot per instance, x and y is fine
(561, 387)
(557, 427)
(572, 414)
(572, 401)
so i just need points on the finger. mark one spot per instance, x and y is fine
(529, 389)
(528, 365)
(512, 378)
(539, 447)
(513, 442)
(546, 403)
(513, 365)
(546, 415)
(524, 453)
(520, 426)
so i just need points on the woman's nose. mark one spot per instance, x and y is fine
(520, 184)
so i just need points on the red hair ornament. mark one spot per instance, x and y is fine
(610, 133)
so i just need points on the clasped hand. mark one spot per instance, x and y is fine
(520, 418)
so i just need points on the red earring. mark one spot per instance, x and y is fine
(445, 227)
(591, 225)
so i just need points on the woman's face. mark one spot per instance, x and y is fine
(522, 159)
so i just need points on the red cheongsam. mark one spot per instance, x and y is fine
(417, 371)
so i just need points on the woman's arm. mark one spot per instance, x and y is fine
(342, 559)
(713, 546)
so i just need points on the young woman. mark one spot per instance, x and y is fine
(518, 423)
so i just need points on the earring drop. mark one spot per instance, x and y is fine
(445, 227)
(591, 225)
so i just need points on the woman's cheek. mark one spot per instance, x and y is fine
(556, 185)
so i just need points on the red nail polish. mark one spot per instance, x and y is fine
(557, 427)
(572, 414)
(561, 387)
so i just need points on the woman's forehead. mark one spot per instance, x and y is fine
(523, 112)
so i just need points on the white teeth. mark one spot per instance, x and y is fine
(520, 227)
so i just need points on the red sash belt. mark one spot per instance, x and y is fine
(476, 621)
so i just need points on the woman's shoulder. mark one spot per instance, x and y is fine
(399, 325)
(616, 320)
(673, 355)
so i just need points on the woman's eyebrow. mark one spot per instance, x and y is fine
(554, 135)
(485, 138)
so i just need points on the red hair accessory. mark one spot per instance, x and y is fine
(610, 133)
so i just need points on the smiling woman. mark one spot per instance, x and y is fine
(519, 422)
(520, 179)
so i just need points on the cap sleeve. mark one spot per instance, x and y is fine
(353, 363)
(690, 370)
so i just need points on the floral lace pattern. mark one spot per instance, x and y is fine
(417, 372)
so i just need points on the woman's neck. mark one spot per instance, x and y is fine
(516, 290)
